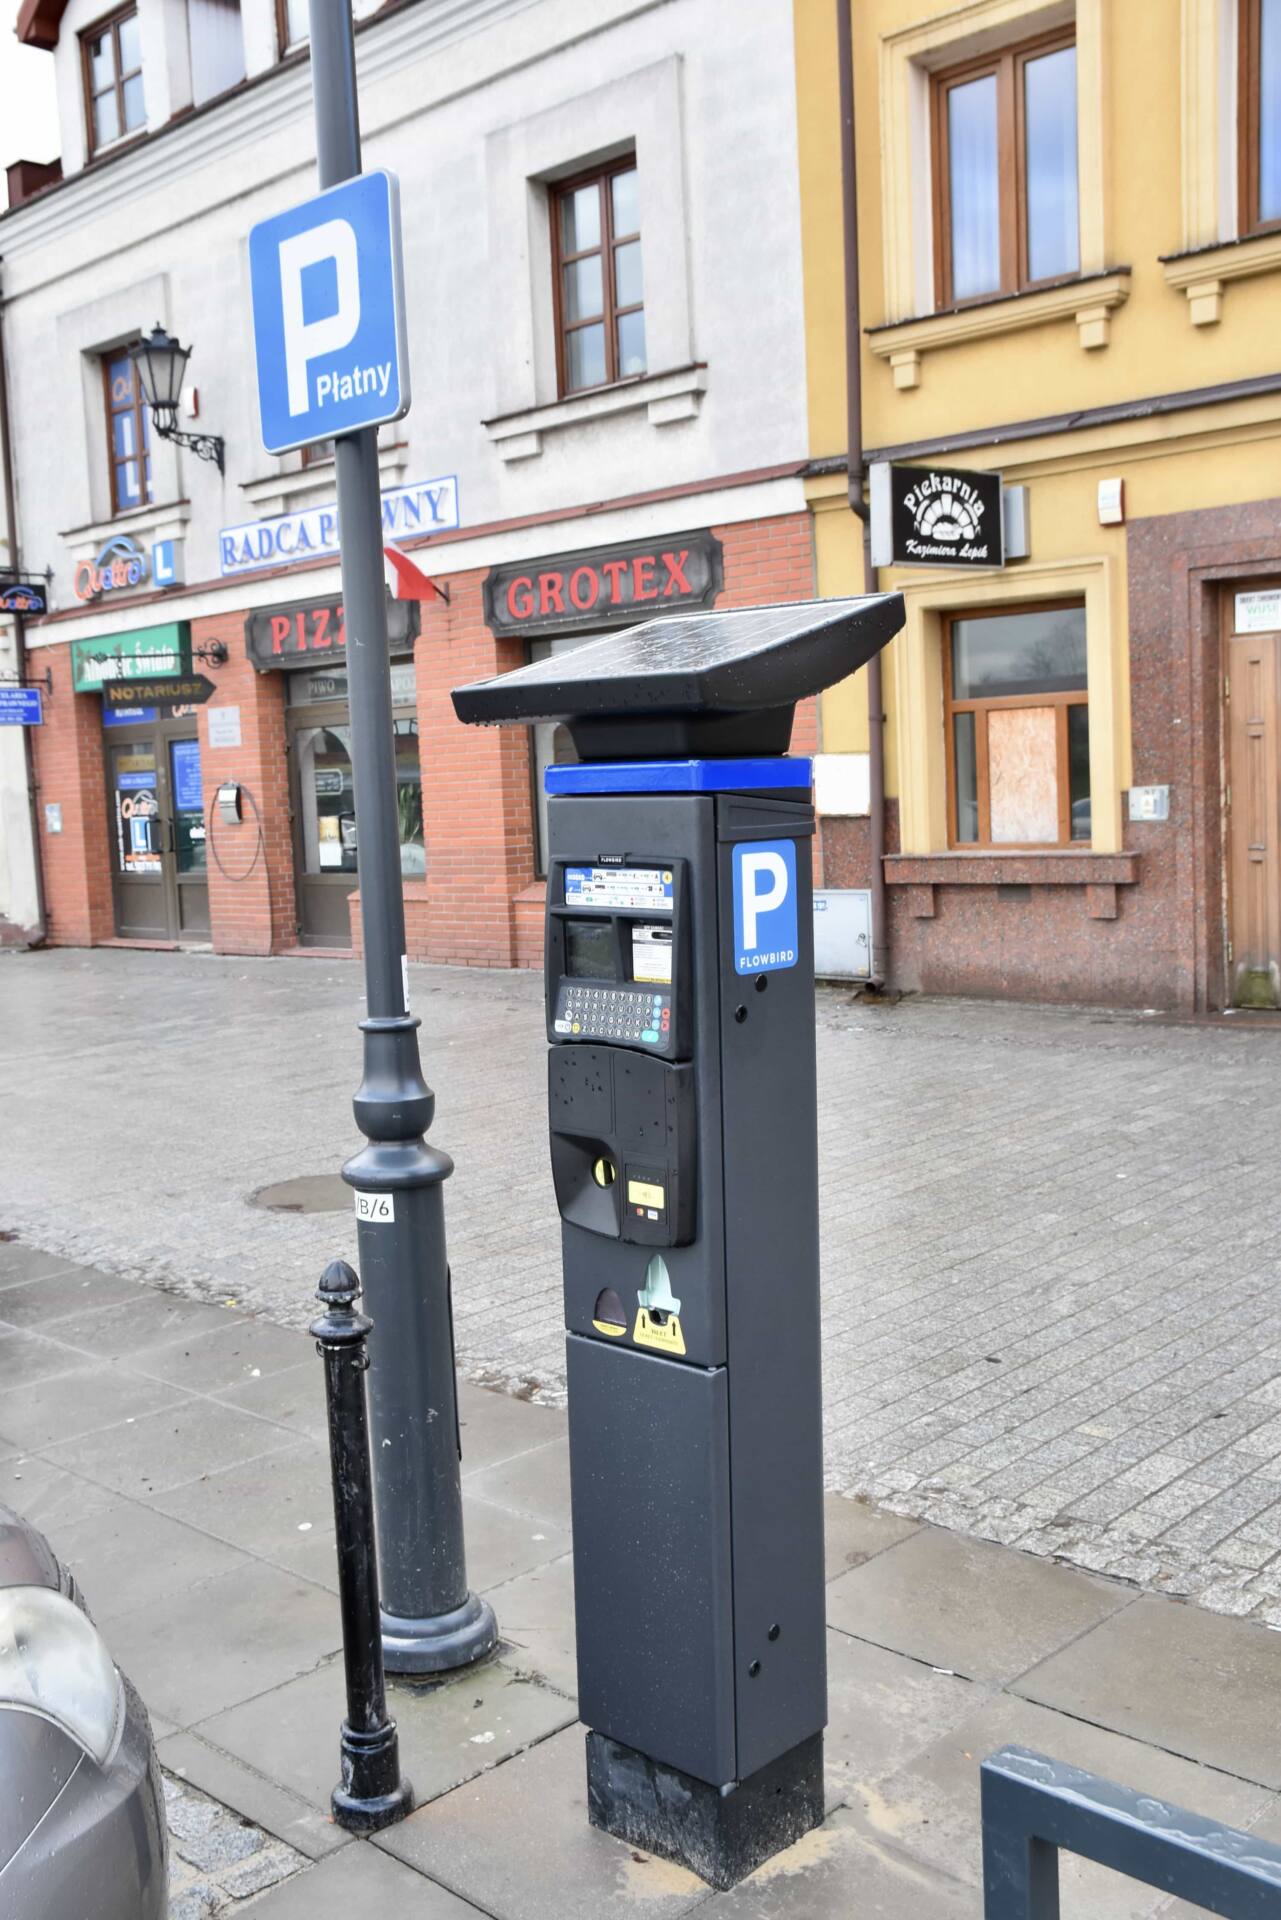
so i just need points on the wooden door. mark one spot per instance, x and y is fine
(1254, 818)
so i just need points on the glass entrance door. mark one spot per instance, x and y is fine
(156, 815)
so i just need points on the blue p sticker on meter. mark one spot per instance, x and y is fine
(765, 931)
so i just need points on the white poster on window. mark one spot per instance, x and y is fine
(1259, 611)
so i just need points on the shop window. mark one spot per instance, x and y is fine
(1005, 172)
(293, 25)
(1260, 115)
(1018, 745)
(111, 55)
(318, 453)
(128, 437)
(217, 47)
(599, 297)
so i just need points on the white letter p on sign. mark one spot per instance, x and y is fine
(756, 898)
(306, 341)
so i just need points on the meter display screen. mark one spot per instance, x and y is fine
(589, 950)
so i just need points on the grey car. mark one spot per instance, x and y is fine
(82, 1823)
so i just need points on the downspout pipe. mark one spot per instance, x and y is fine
(19, 640)
(856, 468)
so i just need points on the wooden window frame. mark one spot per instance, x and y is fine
(1007, 66)
(111, 22)
(138, 408)
(284, 45)
(1249, 89)
(600, 178)
(952, 706)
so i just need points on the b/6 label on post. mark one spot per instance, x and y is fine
(378, 1207)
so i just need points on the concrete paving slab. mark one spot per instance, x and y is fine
(278, 1506)
(1195, 1682)
(294, 1398)
(929, 1809)
(495, 1426)
(20, 1263)
(360, 1880)
(551, 1865)
(855, 1531)
(987, 1613)
(149, 1320)
(130, 1556)
(536, 1483)
(502, 1544)
(27, 1356)
(48, 1496)
(223, 1357)
(839, 1873)
(163, 1450)
(87, 1398)
(536, 1622)
(231, 1639)
(448, 1733)
(59, 1296)
(883, 1709)
(251, 1794)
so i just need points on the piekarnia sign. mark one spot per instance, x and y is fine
(605, 586)
(935, 517)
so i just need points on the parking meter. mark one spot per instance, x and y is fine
(682, 1125)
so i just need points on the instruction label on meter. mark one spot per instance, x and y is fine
(615, 887)
(652, 955)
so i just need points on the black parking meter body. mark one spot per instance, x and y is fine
(682, 1119)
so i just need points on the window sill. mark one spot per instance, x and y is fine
(1202, 275)
(666, 397)
(273, 494)
(1056, 867)
(1091, 302)
(167, 521)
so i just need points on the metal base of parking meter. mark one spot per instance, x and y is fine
(431, 1622)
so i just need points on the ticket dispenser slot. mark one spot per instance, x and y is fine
(620, 1096)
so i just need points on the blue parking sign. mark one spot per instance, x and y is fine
(765, 926)
(329, 314)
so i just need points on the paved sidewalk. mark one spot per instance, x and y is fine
(172, 1451)
(1050, 1237)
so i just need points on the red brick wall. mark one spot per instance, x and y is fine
(71, 771)
(251, 866)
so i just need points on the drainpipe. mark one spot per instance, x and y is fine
(19, 645)
(856, 470)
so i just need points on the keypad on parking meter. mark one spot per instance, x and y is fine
(630, 1015)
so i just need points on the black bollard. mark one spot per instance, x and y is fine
(371, 1793)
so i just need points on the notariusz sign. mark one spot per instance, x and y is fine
(935, 517)
(329, 314)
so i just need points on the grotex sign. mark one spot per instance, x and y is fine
(329, 314)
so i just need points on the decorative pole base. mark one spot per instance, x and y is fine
(440, 1642)
(721, 1834)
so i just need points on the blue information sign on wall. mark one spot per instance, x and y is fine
(21, 707)
(188, 796)
(329, 314)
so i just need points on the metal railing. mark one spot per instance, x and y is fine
(1033, 1807)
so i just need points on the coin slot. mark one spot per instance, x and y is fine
(604, 1172)
(609, 1315)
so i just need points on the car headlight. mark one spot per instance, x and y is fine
(53, 1663)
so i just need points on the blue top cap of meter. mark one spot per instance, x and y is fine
(327, 286)
(691, 685)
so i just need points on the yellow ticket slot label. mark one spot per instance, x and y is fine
(641, 1193)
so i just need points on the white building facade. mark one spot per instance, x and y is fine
(603, 282)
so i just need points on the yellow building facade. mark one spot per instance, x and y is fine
(1070, 275)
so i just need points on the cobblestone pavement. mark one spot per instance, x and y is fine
(1050, 1237)
(217, 1859)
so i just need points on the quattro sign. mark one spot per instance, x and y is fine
(329, 314)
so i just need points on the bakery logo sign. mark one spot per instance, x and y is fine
(935, 517)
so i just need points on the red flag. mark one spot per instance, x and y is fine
(405, 581)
